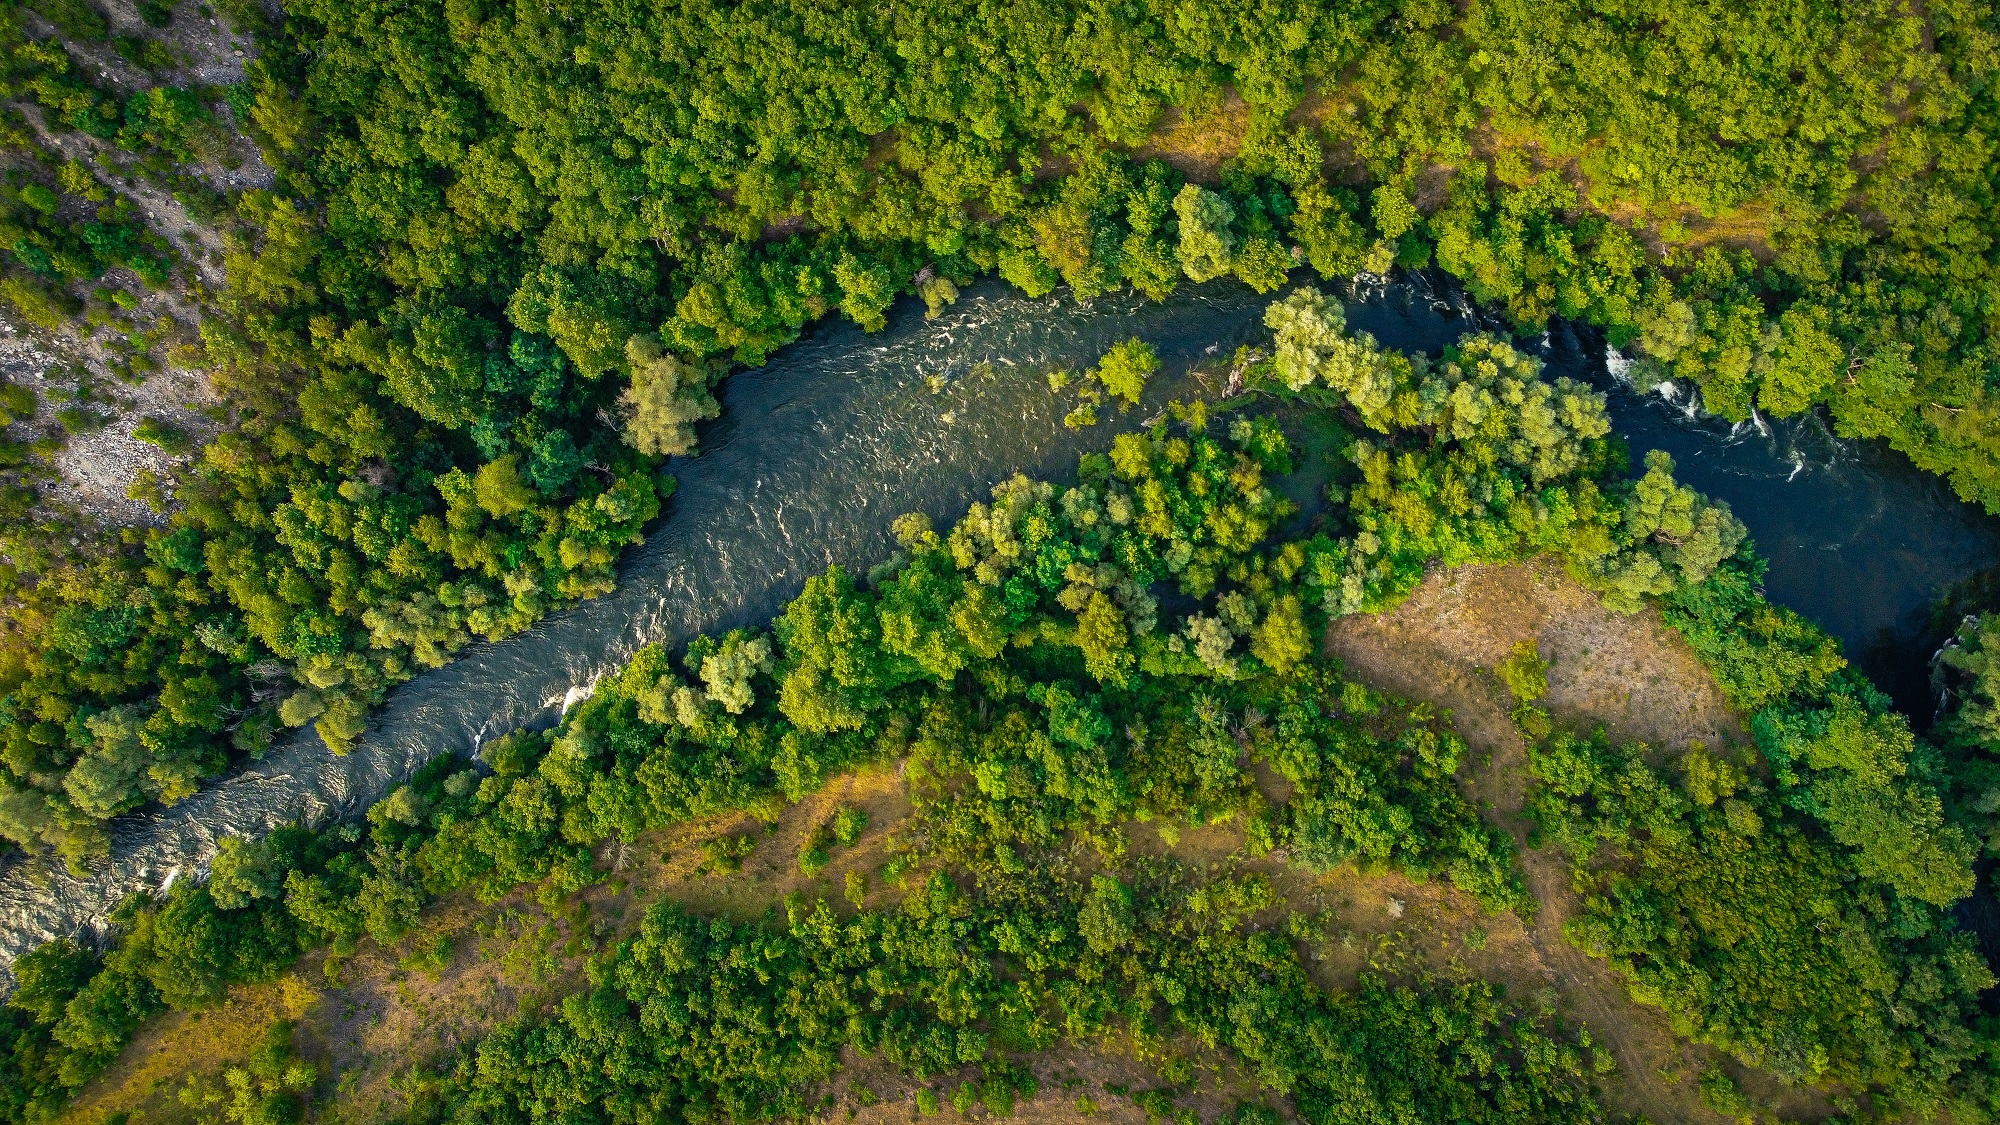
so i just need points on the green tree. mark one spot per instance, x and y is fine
(668, 395)
(1126, 367)
(1281, 640)
(835, 668)
(1106, 918)
(1207, 247)
(866, 291)
(1800, 360)
(500, 490)
(244, 871)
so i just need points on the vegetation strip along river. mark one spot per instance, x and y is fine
(817, 452)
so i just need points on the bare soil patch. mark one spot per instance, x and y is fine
(380, 1013)
(1629, 674)
(383, 1014)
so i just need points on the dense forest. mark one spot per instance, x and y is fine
(507, 251)
(1041, 697)
(495, 262)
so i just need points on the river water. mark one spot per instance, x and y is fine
(817, 452)
(1875, 550)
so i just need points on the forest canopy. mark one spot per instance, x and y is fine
(509, 249)
(1025, 670)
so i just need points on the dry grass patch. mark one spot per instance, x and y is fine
(385, 1013)
(1630, 674)
(1074, 1086)
(1198, 144)
(155, 1065)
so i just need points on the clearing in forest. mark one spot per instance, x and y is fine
(1628, 673)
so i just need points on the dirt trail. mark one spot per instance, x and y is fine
(1630, 674)
(498, 960)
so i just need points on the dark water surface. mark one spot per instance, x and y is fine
(819, 451)
(1858, 539)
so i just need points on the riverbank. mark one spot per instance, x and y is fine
(817, 452)
(1161, 759)
(391, 1011)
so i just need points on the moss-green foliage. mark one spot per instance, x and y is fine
(1794, 913)
(1726, 908)
(701, 1017)
(1207, 248)
(1970, 730)
(1833, 745)
(666, 398)
(464, 251)
(905, 142)
(1023, 667)
(268, 1088)
(1975, 656)
(1125, 369)
(1119, 376)
(1525, 673)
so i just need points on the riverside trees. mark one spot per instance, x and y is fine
(460, 253)
(1024, 668)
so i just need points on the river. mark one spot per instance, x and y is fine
(817, 452)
